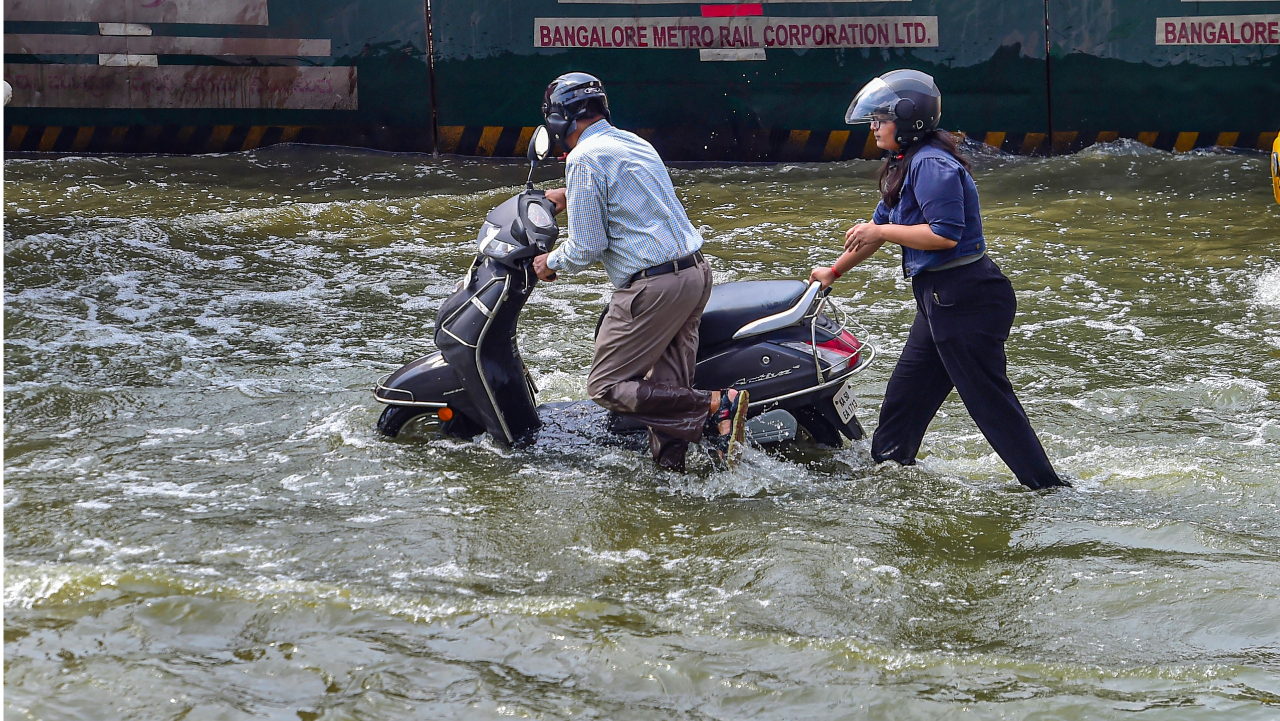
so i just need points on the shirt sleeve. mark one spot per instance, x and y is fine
(587, 239)
(881, 216)
(939, 191)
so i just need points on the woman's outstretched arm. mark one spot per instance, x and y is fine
(920, 237)
(850, 258)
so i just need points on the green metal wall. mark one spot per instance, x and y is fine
(1110, 72)
(989, 61)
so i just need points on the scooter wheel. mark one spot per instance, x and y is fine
(393, 419)
(822, 430)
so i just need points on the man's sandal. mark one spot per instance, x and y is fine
(727, 447)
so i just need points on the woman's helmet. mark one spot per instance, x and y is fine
(908, 98)
(568, 98)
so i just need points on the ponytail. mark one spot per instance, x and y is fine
(893, 173)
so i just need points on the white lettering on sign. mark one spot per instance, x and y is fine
(1219, 30)
(676, 33)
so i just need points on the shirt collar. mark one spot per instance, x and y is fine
(595, 128)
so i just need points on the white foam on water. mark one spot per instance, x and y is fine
(1124, 147)
(757, 472)
(166, 488)
(370, 518)
(1268, 290)
(449, 570)
(1107, 325)
(1232, 393)
(631, 554)
(559, 385)
(347, 424)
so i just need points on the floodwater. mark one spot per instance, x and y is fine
(202, 523)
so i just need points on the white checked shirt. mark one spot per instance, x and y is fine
(622, 208)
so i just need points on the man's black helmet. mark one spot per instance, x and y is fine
(908, 98)
(568, 98)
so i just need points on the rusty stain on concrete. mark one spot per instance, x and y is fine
(212, 12)
(182, 86)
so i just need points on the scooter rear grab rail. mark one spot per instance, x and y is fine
(789, 317)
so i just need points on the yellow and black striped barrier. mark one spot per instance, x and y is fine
(512, 141)
(197, 139)
(806, 145)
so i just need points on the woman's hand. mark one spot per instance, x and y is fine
(825, 276)
(867, 237)
(863, 235)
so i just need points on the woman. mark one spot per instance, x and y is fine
(965, 305)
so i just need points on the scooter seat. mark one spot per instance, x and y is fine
(734, 305)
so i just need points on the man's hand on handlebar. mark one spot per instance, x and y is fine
(540, 267)
(559, 198)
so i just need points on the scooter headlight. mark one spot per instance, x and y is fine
(489, 243)
(498, 249)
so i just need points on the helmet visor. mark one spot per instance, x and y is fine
(875, 101)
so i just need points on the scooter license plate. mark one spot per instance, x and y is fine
(844, 401)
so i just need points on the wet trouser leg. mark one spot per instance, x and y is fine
(963, 319)
(917, 388)
(646, 349)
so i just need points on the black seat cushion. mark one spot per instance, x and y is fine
(734, 305)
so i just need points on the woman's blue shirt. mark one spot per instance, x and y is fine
(940, 192)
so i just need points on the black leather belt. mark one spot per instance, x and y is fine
(670, 266)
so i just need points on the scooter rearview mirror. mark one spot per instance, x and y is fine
(539, 148)
(540, 143)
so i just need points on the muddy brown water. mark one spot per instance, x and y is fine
(201, 522)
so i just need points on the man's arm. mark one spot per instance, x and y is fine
(587, 240)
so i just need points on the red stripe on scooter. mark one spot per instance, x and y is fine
(732, 11)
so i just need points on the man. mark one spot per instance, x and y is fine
(624, 213)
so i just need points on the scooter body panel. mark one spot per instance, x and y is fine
(476, 333)
(765, 369)
(428, 381)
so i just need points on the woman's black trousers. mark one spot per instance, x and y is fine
(957, 340)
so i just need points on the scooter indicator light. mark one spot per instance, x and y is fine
(445, 414)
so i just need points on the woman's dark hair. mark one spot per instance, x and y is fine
(894, 174)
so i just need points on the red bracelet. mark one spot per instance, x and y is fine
(835, 272)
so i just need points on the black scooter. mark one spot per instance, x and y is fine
(773, 338)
